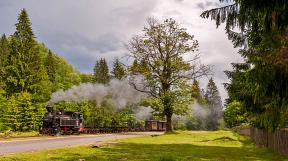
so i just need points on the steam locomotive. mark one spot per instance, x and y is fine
(57, 122)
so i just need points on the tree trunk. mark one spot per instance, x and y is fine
(169, 127)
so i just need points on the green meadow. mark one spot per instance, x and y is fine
(186, 146)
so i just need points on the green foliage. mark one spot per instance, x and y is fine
(158, 54)
(51, 66)
(101, 72)
(86, 78)
(3, 109)
(260, 83)
(118, 71)
(29, 73)
(4, 53)
(21, 114)
(235, 115)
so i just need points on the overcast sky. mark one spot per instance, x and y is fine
(84, 31)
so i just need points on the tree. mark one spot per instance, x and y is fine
(197, 93)
(4, 50)
(51, 66)
(25, 71)
(118, 70)
(260, 83)
(162, 72)
(213, 99)
(4, 53)
(235, 115)
(101, 72)
(86, 78)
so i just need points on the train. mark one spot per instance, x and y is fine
(59, 122)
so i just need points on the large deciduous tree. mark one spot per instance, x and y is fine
(159, 68)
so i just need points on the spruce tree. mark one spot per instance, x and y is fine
(51, 66)
(213, 99)
(118, 71)
(197, 93)
(25, 71)
(4, 53)
(101, 72)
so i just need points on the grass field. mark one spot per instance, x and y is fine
(202, 146)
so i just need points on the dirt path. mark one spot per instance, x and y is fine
(8, 147)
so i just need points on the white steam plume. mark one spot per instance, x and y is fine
(143, 113)
(199, 111)
(120, 93)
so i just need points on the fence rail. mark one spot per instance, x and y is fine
(277, 140)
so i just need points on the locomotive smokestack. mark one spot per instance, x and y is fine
(49, 108)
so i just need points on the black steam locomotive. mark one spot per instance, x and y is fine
(57, 122)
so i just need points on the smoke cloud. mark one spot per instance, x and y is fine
(143, 113)
(118, 93)
(199, 112)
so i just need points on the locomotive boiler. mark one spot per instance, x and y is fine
(57, 122)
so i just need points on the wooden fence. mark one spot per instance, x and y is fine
(277, 140)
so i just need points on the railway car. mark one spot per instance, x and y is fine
(155, 125)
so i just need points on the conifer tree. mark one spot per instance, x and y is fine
(25, 70)
(4, 53)
(118, 71)
(51, 66)
(12, 115)
(4, 50)
(260, 83)
(101, 72)
(197, 93)
(214, 103)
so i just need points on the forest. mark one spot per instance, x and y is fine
(30, 73)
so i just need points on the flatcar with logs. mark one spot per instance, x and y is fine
(58, 122)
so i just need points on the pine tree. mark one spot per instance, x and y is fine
(213, 99)
(118, 71)
(101, 72)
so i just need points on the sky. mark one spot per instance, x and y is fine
(87, 30)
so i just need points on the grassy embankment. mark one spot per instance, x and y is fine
(219, 145)
(11, 135)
